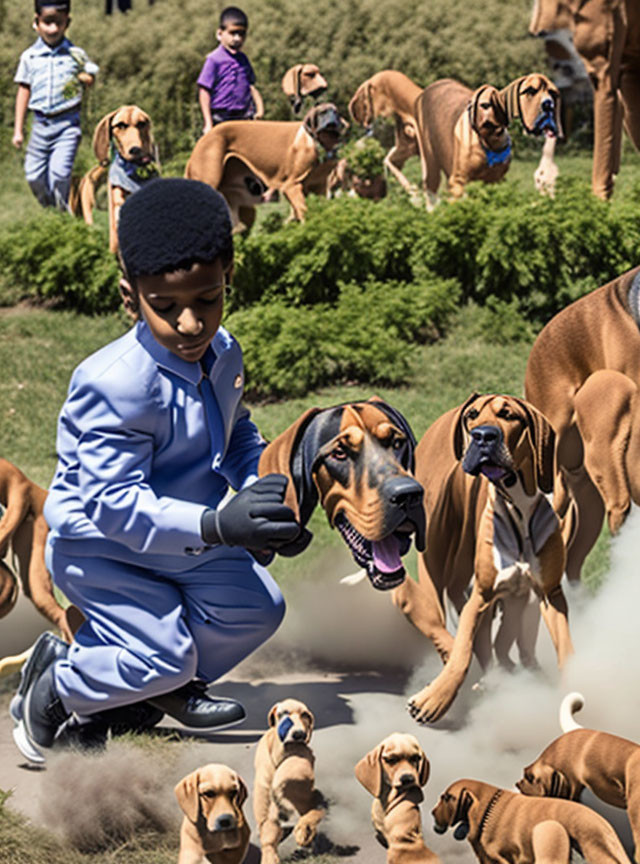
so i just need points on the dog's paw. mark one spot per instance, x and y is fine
(430, 703)
(304, 833)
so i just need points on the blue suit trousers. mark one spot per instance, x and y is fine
(49, 158)
(149, 632)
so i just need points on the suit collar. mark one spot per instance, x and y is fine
(191, 372)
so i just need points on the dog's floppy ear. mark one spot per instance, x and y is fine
(369, 771)
(187, 794)
(291, 86)
(560, 786)
(278, 456)
(510, 99)
(458, 427)
(360, 105)
(461, 816)
(242, 791)
(542, 443)
(102, 137)
(424, 769)
(272, 715)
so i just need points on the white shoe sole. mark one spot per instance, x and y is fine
(25, 746)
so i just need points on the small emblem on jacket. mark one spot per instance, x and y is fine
(237, 382)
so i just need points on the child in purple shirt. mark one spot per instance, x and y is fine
(226, 90)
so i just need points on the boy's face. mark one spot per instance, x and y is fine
(51, 25)
(182, 309)
(232, 36)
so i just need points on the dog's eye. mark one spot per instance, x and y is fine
(505, 414)
(528, 777)
(208, 793)
(415, 759)
(472, 413)
(339, 453)
(530, 91)
(398, 443)
(142, 124)
(390, 760)
(120, 125)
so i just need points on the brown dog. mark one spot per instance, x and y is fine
(464, 133)
(284, 782)
(507, 827)
(214, 828)
(301, 80)
(277, 155)
(355, 461)
(390, 94)
(583, 373)
(394, 772)
(23, 530)
(607, 765)
(606, 35)
(492, 533)
(123, 143)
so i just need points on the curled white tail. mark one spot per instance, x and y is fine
(571, 703)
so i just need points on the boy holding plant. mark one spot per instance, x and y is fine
(51, 76)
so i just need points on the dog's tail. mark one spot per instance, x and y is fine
(571, 703)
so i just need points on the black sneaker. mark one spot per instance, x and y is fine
(43, 715)
(192, 706)
(46, 650)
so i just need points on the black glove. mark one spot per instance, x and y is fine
(255, 518)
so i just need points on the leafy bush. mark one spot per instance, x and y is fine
(366, 336)
(364, 157)
(54, 257)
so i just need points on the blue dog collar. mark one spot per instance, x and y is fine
(283, 727)
(497, 157)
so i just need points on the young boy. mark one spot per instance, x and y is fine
(50, 77)
(150, 438)
(225, 85)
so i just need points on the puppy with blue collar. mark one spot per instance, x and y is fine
(284, 782)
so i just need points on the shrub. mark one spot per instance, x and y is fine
(54, 257)
(366, 336)
(364, 157)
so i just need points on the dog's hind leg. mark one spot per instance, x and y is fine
(550, 843)
(606, 413)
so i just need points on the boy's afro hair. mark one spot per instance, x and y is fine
(171, 224)
(64, 5)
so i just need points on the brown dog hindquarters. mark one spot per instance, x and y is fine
(394, 772)
(214, 828)
(284, 782)
(23, 529)
(390, 94)
(502, 826)
(492, 533)
(581, 759)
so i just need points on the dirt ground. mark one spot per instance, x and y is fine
(351, 656)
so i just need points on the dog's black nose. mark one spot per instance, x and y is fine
(486, 436)
(298, 735)
(403, 491)
(225, 822)
(407, 779)
(547, 105)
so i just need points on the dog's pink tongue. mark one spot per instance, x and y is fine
(386, 554)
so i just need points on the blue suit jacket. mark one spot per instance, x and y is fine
(143, 449)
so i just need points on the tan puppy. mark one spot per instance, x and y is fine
(303, 79)
(390, 94)
(23, 530)
(583, 373)
(606, 35)
(279, 155)
(284, 782)
(394, 772)
(492, 534)
(214, 828)
(123, 143)
(503, 826)
(463, 133)
(607, 765)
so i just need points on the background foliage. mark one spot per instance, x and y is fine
(152, 55)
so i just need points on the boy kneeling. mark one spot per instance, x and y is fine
(150, 438)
